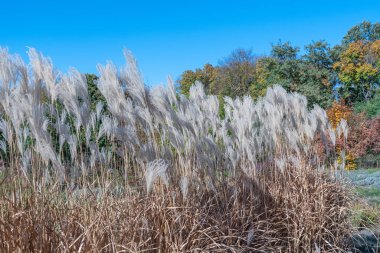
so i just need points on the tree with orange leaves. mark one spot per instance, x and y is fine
(359, 70)
(338, 111)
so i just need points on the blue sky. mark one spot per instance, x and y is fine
(168, 37)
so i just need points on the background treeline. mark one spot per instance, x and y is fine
(343, 79)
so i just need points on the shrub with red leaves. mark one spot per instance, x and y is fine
(364, 135)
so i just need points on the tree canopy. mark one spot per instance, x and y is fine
(323, 73)
(359, 70)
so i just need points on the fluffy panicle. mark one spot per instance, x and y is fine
(44, 72)
(133, 80)
(156, 169)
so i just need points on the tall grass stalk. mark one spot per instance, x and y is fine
(153, 170)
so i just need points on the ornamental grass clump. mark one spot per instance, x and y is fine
(153, 170)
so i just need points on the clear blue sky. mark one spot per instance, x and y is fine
(168, 37)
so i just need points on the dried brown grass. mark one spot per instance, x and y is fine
(300, 210)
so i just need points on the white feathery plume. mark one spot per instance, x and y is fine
(184, 186)
(343, 159)
(3, 146)
(99, 109)
(44, 71)
(93, 121)
(156, 169)
(280, 163)
(88, 135)
(250, 237)
(12, 71)
(133, 80)
(25, 161)
(109, 86)
(45, 124)
(6, 68)
(73, 143)
(342, 128)
(172, 94)
(5, 130)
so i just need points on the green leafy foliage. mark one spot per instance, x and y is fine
(94, 93)
(284, 51)
(309, 74)
(365, 31)
(371, 107)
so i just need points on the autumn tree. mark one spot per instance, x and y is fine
(359, 71)
(206, 76)
(232, 77)
(337, 112)
(264, 77)
(364, 134)
(236, 73)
